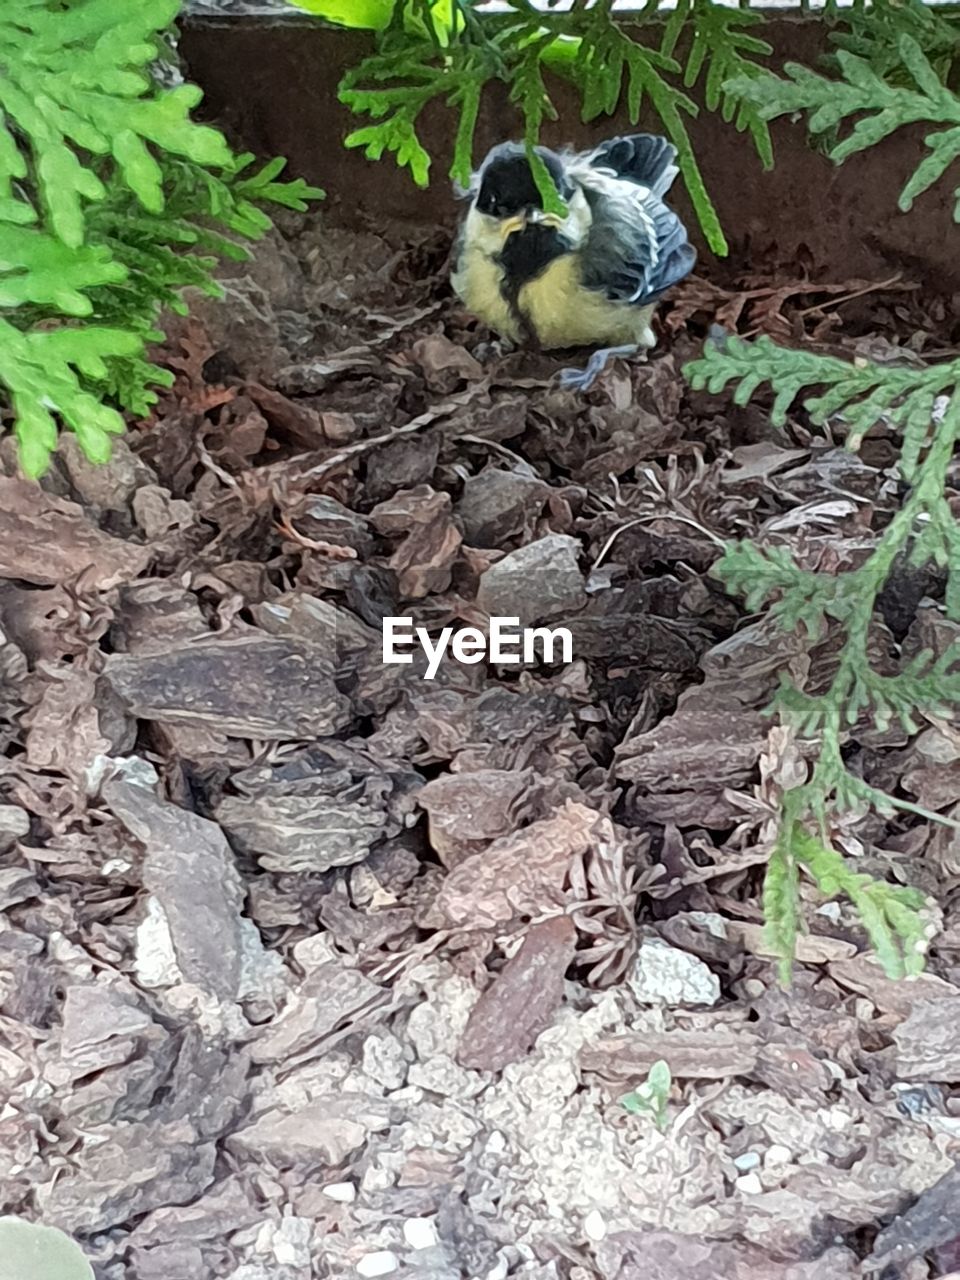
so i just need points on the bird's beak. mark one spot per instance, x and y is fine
(529, 217)
(545, 219)
(509, 225)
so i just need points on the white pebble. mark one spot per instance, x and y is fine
(594, 1227)
(496, 1143)
(499, 1271)
(664, 975)
(383, 1263)
(777, 1154)
(342, 1192)
(420, 1233)
(749, 1160)
(750, 1184)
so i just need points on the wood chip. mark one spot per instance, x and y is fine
(192, 873)
(522, 999)
(928, 1042)
(812, 948)
(252, 686)
(716, 1053)
(47, 541)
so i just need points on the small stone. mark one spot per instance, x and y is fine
(777, 1154)
(749, 1160)
(288, 1240)
(832, 911)
(712, 921)
(750, 1184)
(440, 1074)
(594, 1227)
(383, 1263)
(536, 582)
(384, 1060)
(496, 1143)
(420, 1233)
(377, 1178)
(342, 1192)
(668, 976)
(499, 1270)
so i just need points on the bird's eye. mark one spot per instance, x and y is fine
(492, 207)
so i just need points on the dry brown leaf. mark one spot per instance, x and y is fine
(760, 305)
(445, 364)
(758, 461)
(299, 423)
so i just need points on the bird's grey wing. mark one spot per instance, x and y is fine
(643, 158)
(637, 248)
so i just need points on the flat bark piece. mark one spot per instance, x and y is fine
(669, 1255)
(928, 1042)
(326, 1130)
(521, 1001)
(251, 686)
(47, 541)
(711, 1053)
(190, 870)
(931, 1221)
(519, 874)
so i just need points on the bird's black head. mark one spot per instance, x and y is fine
(507, 185)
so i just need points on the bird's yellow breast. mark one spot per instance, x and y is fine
(478, 283)
(562, 313)
(556, 306)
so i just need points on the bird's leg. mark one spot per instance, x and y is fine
(583, 380)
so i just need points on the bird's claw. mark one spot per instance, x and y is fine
(583, 379)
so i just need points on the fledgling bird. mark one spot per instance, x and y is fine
(591, 278)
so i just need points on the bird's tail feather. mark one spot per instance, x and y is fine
(641, 157)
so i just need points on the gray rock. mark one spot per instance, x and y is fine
(539, 581)
(497, 505)
(668, 976)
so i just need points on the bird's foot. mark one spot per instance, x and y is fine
(495, 349)
(583, 379)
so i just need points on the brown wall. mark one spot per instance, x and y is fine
(273, 86)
